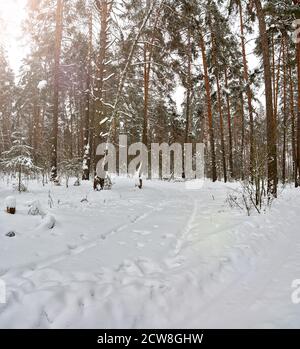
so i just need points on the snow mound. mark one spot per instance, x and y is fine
(48, 222)
(10, 202)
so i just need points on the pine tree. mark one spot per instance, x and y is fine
(18, 158)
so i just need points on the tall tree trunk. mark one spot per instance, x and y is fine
(273, 69)
(146, 97)
(188, 97)
(209, 109)
(248, 90)
(276, 81)
(297, 2)
(104, 9)
(57, 53)
(86, 141)
(148, 54)
(229, 126)
(285, 116)
(221, 128)
(271, 121)
(243, 137)
(298, 117)
(292, 109)
(188, 89)
(36, 125)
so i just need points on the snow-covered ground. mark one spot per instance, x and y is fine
(163, 256)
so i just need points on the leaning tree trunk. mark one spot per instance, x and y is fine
(128, 63)
(57, 53)
(115, 107)
(271, 120)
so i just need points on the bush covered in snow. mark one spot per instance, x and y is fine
(35, 208)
